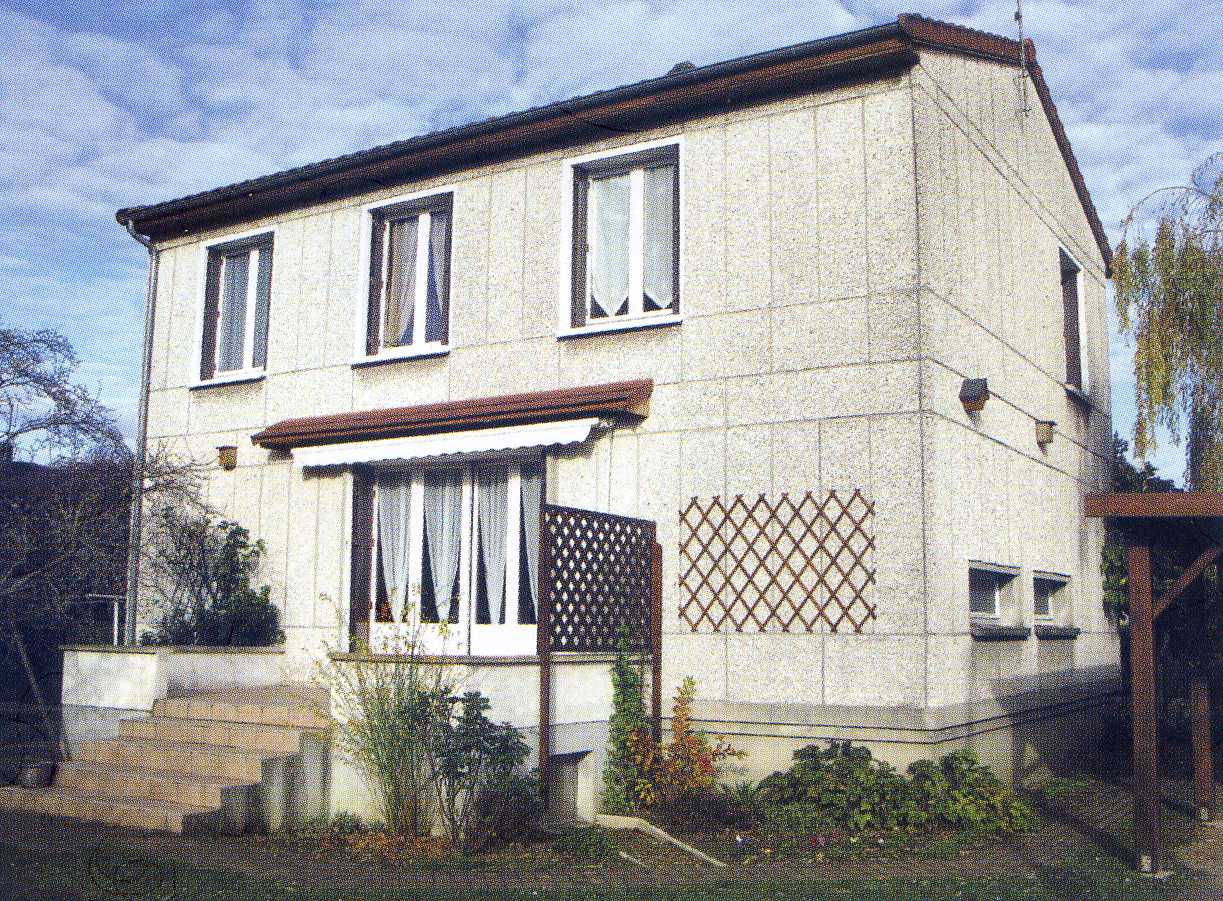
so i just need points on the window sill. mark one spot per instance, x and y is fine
(1050, 632)
(233, 378)
(999, 632)
(626, 325)
(1079, 396)
(398, 356)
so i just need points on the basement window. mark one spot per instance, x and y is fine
(1049, 596)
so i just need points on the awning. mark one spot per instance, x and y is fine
(447, 444)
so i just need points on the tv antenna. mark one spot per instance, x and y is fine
(1025, 108)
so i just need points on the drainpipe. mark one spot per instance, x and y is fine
(136, 520)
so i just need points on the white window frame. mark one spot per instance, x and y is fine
(637, 317)
(1059, 600)
(1084, 372)
(1004, 586)
(417, 348)
(248, 372)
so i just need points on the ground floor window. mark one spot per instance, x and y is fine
(456, 556)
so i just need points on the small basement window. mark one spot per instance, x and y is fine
(989, 592)
(1049, 594)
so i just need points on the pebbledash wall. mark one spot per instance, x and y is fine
(848, 257)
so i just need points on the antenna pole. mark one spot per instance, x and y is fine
(1024, 106)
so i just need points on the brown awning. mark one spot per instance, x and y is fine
(1156, 505)
(613, 399)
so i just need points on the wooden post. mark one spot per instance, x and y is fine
(656, 639)
(1142, 706)
(543, 650)
(1203, 765)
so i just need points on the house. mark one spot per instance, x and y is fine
(825, 325)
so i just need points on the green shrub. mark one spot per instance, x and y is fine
(621, 774)
(587, 843)
(975, 798)
(511, 804)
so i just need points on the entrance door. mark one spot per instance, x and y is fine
(455, 558)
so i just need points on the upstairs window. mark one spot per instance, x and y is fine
(625, 238)
(1073, 323)
(237, 302)
(409, 279)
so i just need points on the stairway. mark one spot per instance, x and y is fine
(253, 760)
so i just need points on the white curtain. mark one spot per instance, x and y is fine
(609, 200)
(492, 515)
(394, 497)
(232, 348)
(439, 226)
(659, 261)
(532, 497)
(443, 514)
(401, 284)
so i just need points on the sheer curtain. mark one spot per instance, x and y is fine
(394, 496)
(659, 261)
(439, 227)
(232, 348)
(532, 497)
(609, 198)
(401, 284)
(492, 514)
(443, 515)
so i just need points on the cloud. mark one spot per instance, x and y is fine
(112, 105)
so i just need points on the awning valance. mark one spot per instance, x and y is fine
(447, 444)
(614, 400)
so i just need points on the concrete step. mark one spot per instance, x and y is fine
(133, 813)
(209, 707)
(249, 736)
(213, 762)
(109, 781)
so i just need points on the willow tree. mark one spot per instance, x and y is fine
(1168, 274)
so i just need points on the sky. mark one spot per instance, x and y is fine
(117, 103)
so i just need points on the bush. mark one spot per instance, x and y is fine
(587, 843)
(511, 804)
(621, 774)
(843, 787)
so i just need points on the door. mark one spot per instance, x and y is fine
(455, 558)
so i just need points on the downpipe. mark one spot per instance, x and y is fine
(136, 519)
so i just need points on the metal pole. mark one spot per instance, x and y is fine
(1203, 765)
(1142, 706)
(136, 519)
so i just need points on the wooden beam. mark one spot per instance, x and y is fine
(1142, 706)
(1194, 570)
(656, 639)
(543, 649)
(1155, 505)
(1203, 764)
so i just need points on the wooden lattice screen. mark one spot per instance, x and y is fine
(598, 578)
(781, 564)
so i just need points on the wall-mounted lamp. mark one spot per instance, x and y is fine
(973, 394)
(1044, 431)
(227, 456)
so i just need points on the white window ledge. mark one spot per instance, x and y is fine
(402, 353)
(622, 325)
(231, 378)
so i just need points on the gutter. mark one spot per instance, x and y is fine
(135, 529)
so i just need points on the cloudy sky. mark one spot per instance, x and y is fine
(120, 102)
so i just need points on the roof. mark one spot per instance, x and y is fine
(611, 399)
(867, 53)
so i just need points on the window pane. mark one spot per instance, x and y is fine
(400, 284)
(435, 297)
(231, 343)
(532, 500)
(443, 495)
(263, 299)
(492, 518)
(609, 245)
(982, 592)
(659, 243)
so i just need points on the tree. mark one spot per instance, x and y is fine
(63, 521)
(1169, 295)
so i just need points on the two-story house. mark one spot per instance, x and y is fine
(826, 324)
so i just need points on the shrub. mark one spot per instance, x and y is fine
(621, 774)
(510, 805)
(587, 843)
(970, 796)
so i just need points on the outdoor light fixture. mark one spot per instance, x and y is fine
(973, 394)
(227, 456)
(1044, 431)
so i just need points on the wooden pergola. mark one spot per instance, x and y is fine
(1147, 520)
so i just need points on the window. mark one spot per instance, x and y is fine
(460, 545)
(625, 238)
(1073, 324)
(989, 592)
(1048, 596)
(409, 277)
(237, 301)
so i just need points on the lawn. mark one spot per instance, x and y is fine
(1079, 851)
